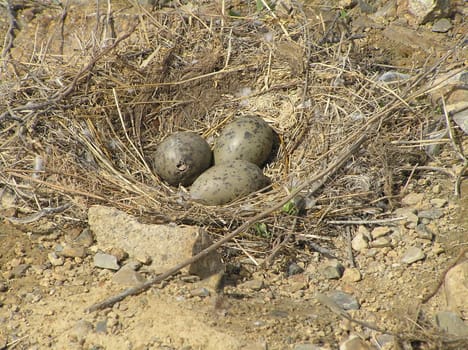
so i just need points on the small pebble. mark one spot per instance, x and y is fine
(332, 269)
(412, 255)
(73, 251)
(412, 199)
(354, 343)
(294, 269)
(442, 25)
(85, 238)
(128, 277)
(344, 300)
(424, 233)
(200, 292)
(106, 261)
(381, 242)
(351, 275)
(380, 231)
(255, 285)
(438, 202)
(360, 242)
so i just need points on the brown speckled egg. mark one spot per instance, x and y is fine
(246, 138)
(226, 182)
(181, 158)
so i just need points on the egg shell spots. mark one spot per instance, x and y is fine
(226, 182)
(181, 158)
(246, 138)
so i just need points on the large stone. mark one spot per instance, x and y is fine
(167, 245)
(456, 288)
(450, 323)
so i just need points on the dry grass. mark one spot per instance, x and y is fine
(81, 125)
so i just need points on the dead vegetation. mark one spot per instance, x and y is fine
(81, 115)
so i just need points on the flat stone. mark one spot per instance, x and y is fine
(200, 292)
(360, 242)
(332, 269)
(354, 343)
(351, 275)
(166, 245)
(73, 251)
(423, 232)
(456, 288)
(380, 231)
(381, 242)
(438, 202)
(126, 276)
(412, 199)
(307, 346)
(344, 300)
(431, 214)
(106, 261)
(436, 189)
(450, 323)
(255, 285)
(412, 255)
(442, 25)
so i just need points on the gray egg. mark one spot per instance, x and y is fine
(226, 182)
(181, 158)
(246, 138)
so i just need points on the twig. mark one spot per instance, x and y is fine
(365, 222)
(63, 93)
(349, 247)
(275, 251)
(339, 162)
(10, 34)
(36, 216)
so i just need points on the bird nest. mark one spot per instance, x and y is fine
(83, 111)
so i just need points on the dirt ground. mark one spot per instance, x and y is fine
(44, 306)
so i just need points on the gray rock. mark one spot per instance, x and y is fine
(384, 341)
(106, 261)
(423, 232)
(360, 242)
(332, 269)
(450, 323)
(431, 214)
(412, 255)
(344, 300)
(294, 269)
(456, 288)
(167, 245)
(442, 25)
(354, 343)
(126, 276)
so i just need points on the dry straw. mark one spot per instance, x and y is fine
(82, 112)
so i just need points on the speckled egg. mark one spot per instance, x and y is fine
(226, 182)
(246, 138)
(181, 158)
